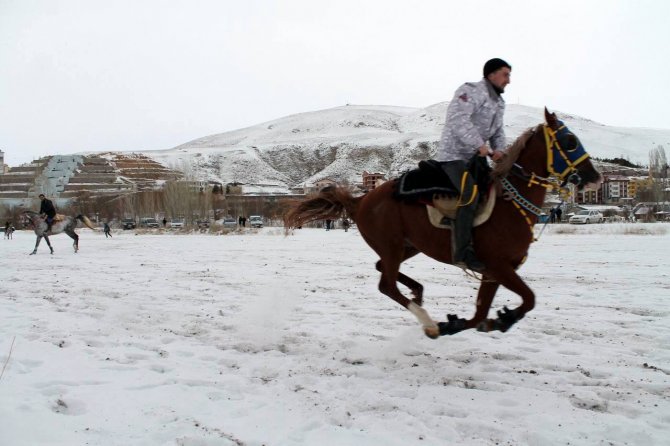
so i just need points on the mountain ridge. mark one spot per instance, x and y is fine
(341, 142)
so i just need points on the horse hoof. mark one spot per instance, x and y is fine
(432, 332)
(485, 326)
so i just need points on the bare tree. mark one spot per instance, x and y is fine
(658, 172)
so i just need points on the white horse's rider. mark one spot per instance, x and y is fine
(48, 211)
(474, 118)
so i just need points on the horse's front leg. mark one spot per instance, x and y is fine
(454, 324)
(506, 317)
(37, 243)
(46, 239)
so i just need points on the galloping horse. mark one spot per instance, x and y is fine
(544, 157)
(67, 224)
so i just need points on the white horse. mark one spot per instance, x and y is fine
(65, 224)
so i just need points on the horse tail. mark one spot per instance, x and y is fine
(84, 219)
(329, 203)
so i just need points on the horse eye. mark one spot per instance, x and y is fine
(573, 143)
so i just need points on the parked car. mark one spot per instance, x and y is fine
(202, 224)
(230, 223)
(586, 217)
(149, 223)
(177, 223)
(256, 221)
(128, 223)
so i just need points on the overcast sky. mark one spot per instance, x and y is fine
(142, 75)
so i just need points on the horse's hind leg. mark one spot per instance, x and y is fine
(389, 266)
(415, 287)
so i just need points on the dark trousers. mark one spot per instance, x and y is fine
(461, 234)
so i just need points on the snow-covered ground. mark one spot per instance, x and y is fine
(261, 339)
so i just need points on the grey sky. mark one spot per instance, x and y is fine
(142, 75)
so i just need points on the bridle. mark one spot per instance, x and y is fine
(561, 165)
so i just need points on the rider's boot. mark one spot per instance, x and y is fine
(49, 224)
(463, 254)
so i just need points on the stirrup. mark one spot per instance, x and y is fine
(471, 262)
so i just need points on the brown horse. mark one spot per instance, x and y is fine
(547, 156)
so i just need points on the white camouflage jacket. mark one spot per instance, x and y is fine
(474, 116)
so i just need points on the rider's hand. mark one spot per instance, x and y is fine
(483, 150)
(497, 155)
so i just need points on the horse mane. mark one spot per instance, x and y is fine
(502, 168)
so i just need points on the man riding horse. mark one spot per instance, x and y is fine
(474, 118)
(48, 211)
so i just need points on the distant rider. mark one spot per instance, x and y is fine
(47, 209)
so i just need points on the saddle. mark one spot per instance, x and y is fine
(57, 218)
(430, 185)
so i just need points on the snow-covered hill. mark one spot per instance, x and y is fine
(341, 142)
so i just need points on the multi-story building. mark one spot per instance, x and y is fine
(370, 179)
(615, 189)
(589, 196)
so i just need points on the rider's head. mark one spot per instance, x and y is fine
(42, 197)
(498, 72)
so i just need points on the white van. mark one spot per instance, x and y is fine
(177, 223)
(255, 221)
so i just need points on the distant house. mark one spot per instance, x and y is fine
(325, 183)
(372, 180)
(615, 188)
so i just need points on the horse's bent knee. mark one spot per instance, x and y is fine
(528, 303)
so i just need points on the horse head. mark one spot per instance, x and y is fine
(567, 159)
(29, 217)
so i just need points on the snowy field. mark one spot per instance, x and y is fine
(260, 339)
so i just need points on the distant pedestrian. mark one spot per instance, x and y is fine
(107, 230)
(552, 215)
(164, 222)
(9, 230)
(328, 223)
(559, 213)
(345, 224)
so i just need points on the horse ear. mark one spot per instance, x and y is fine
(551, 119)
